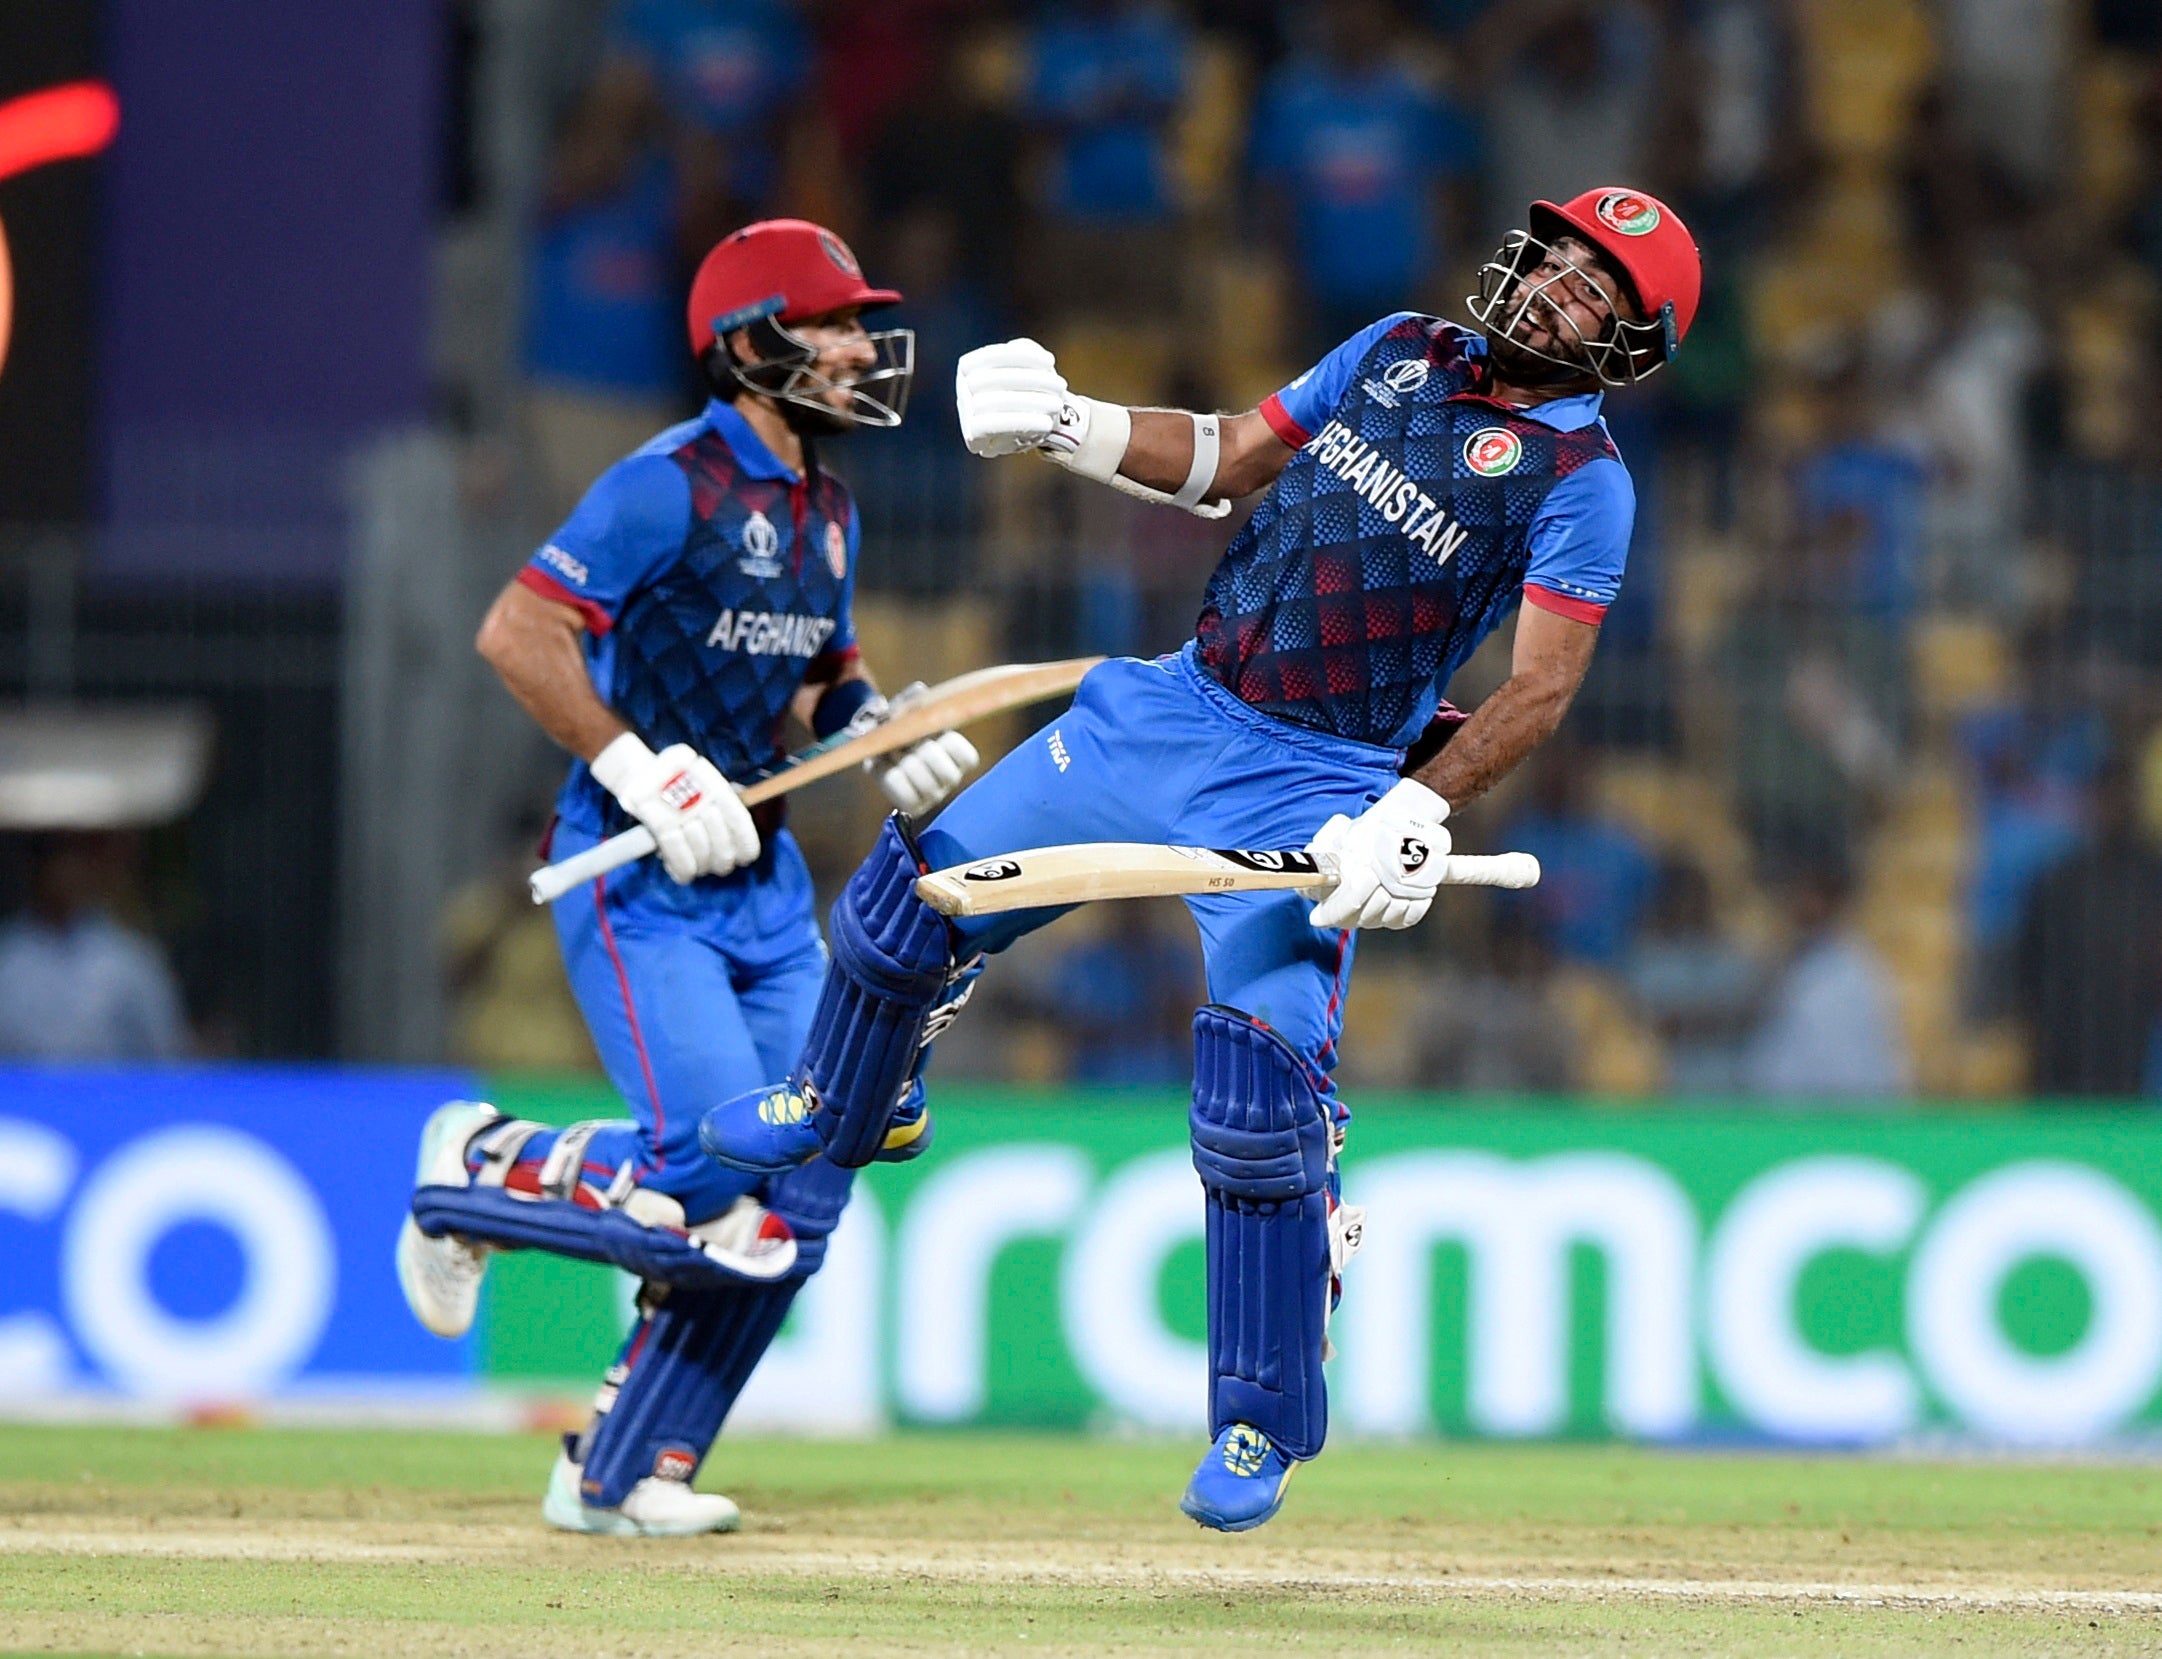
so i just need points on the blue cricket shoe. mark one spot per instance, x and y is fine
(761, 1132)
(766, 1131)
(1240, 1482)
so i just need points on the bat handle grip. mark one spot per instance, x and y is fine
(1517, 870)
(552, 881)
(1514, 870)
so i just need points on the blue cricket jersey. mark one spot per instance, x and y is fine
(1415, 515)
(714, 583)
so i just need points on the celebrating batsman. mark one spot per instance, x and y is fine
(697, 595)
(1421, 480)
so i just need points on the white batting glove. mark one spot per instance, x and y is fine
(1009, 397)
(1388, 860)
(915, 779)
(701, 824)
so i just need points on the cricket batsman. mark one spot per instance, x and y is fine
(697, 596)
(1421, 482)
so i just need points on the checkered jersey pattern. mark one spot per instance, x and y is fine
(1382, 555)
(712, 647)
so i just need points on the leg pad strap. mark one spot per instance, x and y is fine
(650, 1248)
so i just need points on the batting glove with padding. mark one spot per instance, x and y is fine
(699, 823)
(917, 778)
(1009, 397)
(1389, 860)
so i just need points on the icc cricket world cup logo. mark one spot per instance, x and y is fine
(58, 124)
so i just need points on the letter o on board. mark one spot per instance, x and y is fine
(229, 1180)
(2039, 1208)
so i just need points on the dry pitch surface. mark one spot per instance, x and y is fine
(299, 1542)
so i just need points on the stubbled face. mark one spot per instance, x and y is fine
(844, 351)
(1566, 301)
(1556, 309)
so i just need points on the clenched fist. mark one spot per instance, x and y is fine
(1009, 397)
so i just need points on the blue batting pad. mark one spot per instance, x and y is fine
(1261, 1144)
(673, 1385)
(892, 955)
(680, 1373)
(509, 1222)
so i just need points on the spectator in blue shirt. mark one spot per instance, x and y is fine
(727, 76)
(1859, 474)
(1105, 79)
(1364, 169)
(603, 334)
(75, 984)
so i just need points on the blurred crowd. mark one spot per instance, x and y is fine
(1862, 800)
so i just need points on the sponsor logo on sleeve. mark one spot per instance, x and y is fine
(564, 565)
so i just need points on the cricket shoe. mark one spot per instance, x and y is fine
(908, 1132)
(654, 1508)
(762, 1132)
(768, 1131)
(441, 1276)
(1240, 1482)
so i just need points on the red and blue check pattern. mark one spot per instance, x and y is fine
(1324, 611)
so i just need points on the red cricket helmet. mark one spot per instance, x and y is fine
(781, 271)
(804, 266)
(1646, 244)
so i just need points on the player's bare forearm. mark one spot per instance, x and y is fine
(1161, 452)
(1552, 653)
(534, 646)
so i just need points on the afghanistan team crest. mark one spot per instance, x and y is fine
(1627, 212)
(1492, 451)
(837, 251)
(836, 550)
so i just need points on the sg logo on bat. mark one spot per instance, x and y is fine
(999, 869)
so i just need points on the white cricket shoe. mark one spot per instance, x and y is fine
(441, 1276)
(654, 1508)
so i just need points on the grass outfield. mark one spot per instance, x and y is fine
(303, 1542)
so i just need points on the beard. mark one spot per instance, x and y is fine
(808, 422)
(1519, 365)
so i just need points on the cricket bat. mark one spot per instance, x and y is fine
(955, 702)
(1087, 871)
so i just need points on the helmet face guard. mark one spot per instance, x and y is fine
(784, 368)
(1623, 354)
